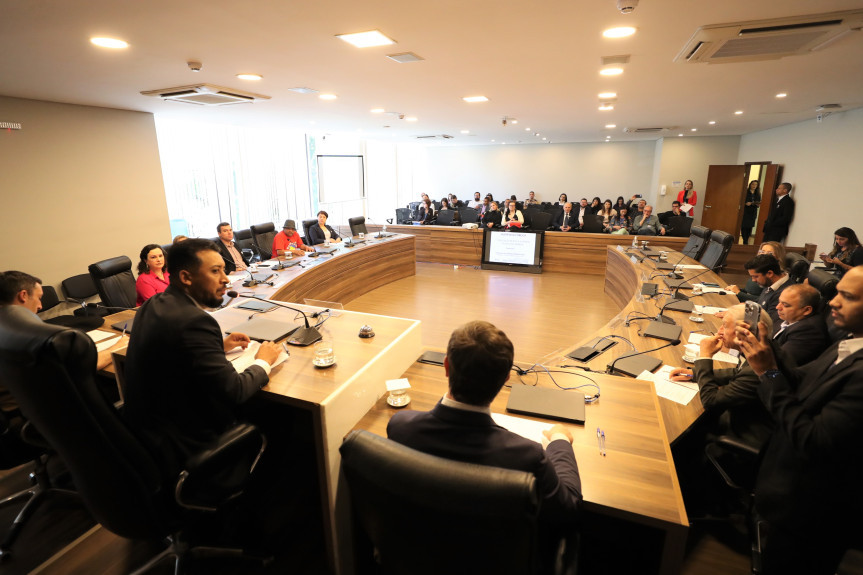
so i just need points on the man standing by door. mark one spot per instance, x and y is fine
(780, 216)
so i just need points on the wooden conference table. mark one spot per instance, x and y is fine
(636, 481)
(336, 397)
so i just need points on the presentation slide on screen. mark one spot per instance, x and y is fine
(512, 248)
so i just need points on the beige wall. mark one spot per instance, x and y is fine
(823, 162)
(78, 184)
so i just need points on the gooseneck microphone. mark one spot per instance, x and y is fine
(610, 369)
(302, 336)
(231, 294)
(678, 295)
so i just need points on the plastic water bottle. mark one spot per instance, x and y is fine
(635, 241)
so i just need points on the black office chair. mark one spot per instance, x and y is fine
(50, 372)
(404, 217)
(307, 225)
(593, 224)
(797, 267)
(540, 221)
(468, 215)
(262, 237)
(717, 250)
(824, 282)
(529, 214)
(414, 208)
(678, 226)
(357, 225)
(79, 289)
(245, 245)
(697, 242)
(445, 218)
(115, 282)
(425, 515)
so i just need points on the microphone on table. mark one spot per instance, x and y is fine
(108, 307)
(252, 282)
(610, 369)
(301, 336)
(231, 294)
(678, 295)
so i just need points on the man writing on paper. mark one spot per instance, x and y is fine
(477, 364)
(181, 390)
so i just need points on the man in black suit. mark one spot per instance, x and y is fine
(808, 485)
(766, 271)
(477, 364)
(803, 332)
(181, 390)
(780, 216)
(565, 220)
(233, 259)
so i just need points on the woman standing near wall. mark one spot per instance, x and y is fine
(687, 196)
(750, 210)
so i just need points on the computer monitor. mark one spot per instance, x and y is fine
(512, 250)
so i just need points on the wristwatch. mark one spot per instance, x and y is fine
(772, 374)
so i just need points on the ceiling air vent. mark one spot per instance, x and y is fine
(768, 39)
(206, 95)
(444, 136)
(646, 130)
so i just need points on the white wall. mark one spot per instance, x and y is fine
(603, 169)
(78, 184)
(823, 162)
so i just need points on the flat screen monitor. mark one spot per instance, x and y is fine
(517, 251)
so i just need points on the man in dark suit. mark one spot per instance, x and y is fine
(780, 215)
(228, 250)
(803, 332)
(808, 485)
(766, 271)
(565, 220)
(477, 364)
(181, 390)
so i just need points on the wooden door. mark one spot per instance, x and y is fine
(772, 173)
(723, 198)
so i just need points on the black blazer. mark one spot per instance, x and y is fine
(778, 219)
(475, 438)
(181, 390)
(230, 266)
(494, 217)
(768, 300)
(805, 340)
(573, 220)
(316, 234)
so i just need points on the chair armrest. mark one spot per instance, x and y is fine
(728, 444)
(736, 445)
(219, 472)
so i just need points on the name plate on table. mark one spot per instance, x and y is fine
(633, 259)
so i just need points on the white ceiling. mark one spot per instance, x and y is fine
(536, 61)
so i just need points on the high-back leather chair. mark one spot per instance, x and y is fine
(717, 249)
(358, 225)
(115, 282)
(824, 282)
(307, 225)
(262, 237)
(426, 515)
(540, 221)
(468, 215)
(697, 242)
(79, 289)
(50, 371)
(797, 267)
(403, 216)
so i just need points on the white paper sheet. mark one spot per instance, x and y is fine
(243, 358)
(709, 289)
(680, 392)
(527, 428)
(98, 335)
(729, 357)
(691, 267)
(709, 310)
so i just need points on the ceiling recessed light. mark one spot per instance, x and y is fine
(693, 130)
(619, 32)
(607, 95)
(536, 134)
(781, 95)
(411, 119)
(712, 122)
(465, 131)
(513, 120)
(611, 71)
(250, 76)
(473, 99)
(606, 107)
(327, 96)
(738, 112)
(527, 129)
(366, 39)
(609, 126)
(679, 135)
(377, 110)
(109, 43)
(405, 57)
(544, 139)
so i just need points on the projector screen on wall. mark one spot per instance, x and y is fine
(519, 251)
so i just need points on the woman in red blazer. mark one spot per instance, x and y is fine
(687, 196)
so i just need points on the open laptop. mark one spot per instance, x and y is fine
(545, 402)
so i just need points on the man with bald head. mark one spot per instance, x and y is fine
(808, 485)
(647, 224)
(803, 332)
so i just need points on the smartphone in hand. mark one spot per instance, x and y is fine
(751, 315)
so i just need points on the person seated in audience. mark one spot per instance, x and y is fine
(289, 241)
(233, 258)
(620, 222)
(444, 204)
(846, 252)
(595, 205)
(513, 214)
(531, 199)
(25, 290)
(455, 203)
(562, 199)
(751, 291)
(808, 484)
(647, 224)
(636, 210)
(322, 232)
(460, 427)
(619, 203)
(803, 331)
(731, 393)
(565, 220)
(580, 211)
(607, 212)
(476, 202)
(152, 277)
(492, 217)
(768, 273)
(178, 239)
(672, 213)
(426, 212)
(484, 206)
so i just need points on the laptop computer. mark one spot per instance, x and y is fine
(545, 402)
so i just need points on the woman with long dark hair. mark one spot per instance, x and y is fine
(846, 252)
(152, 275)
(750, 210)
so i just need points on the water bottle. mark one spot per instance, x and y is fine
(635, 241)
